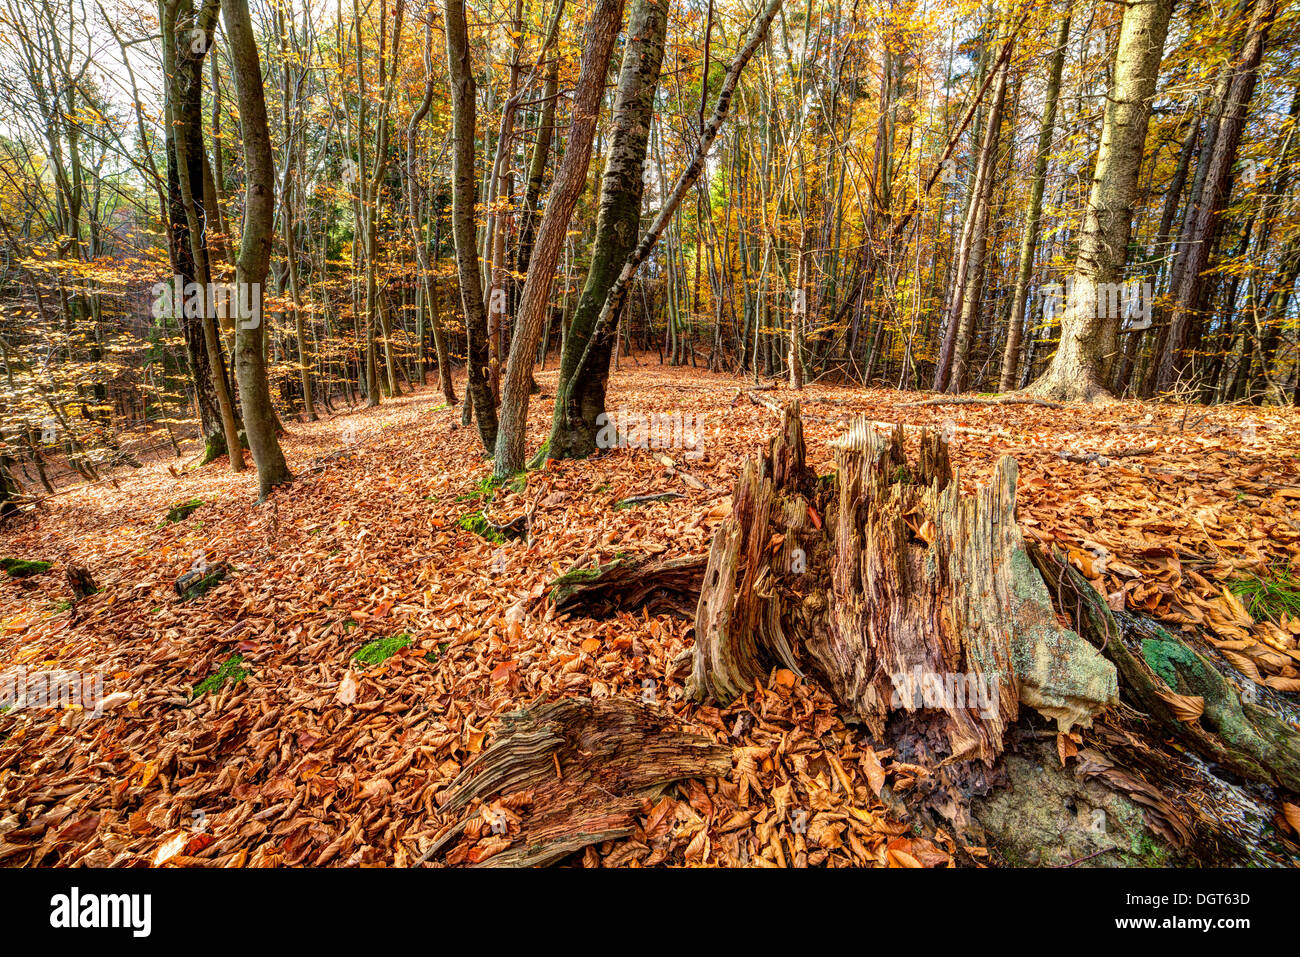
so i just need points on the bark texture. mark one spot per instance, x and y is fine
(618, 223)
(254, 250)
(564, 775)
(890, 583)
(1079, 369)
(570, 178)
(464, 194)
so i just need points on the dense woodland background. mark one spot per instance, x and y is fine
(893, 189)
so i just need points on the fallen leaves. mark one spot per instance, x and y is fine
(311, 760)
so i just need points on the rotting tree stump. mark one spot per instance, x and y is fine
(897, 591)
(563, 775)
(630, 583)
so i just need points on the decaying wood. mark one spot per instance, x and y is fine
(563, 775)
(899, 592)
(196, 581)
(81, 581)
(631, 583)
(1178, 688)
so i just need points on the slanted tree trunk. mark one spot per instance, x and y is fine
(618, 223)
(901, 593)
(617, 294)
(463, 197)
(1079, 369)
(254, 251)
(570, 178)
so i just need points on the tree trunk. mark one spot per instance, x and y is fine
(618, 222)
(1079, 369)
(570, 178)
(463, 197)
(254, 250)
(1200, 230)
(1029, 242)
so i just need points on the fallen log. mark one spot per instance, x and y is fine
(563, 775)
(898, 592)
(1177, 687)
(630, 583)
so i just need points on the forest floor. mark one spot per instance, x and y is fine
(298, 752)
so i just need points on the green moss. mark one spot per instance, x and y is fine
(1164, 657)
(902, 475)
(1146, 851)
(20, 568)
(230, 670)
(183, 510)
(433, 656)
(476, 523)
(381, 649)
(205, 583)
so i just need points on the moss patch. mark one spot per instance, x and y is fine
(231, 670)
(183, 510)
(381, 649)
(20, 568)
(476, 523)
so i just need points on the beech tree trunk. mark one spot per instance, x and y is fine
(1079, 369)
(618, 223)
(464, 195)
(254, 250)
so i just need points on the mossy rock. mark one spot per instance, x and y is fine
(21, 568)
(1046, 816)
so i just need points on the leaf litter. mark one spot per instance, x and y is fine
(379, 640)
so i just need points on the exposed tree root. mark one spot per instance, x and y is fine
(1179, 688)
